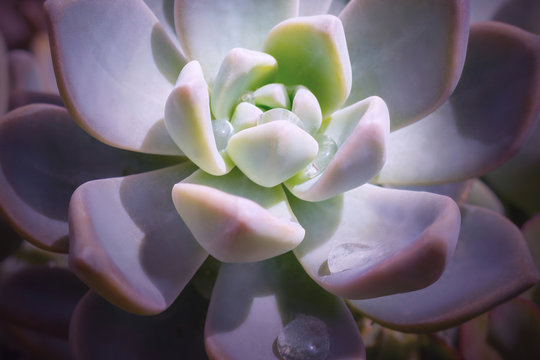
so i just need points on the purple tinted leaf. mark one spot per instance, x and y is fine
(142, 259)
(389, 44)
(252, 303)
(227, 25)
(115, 66)
(44, 156)
(491, 264)
(458, 191)
(485, 120)
(374, 241)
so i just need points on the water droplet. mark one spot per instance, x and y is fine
(248, 97)
(280, 114)
(304, 338)
(223, 130)
(327, 150)
(349, 255)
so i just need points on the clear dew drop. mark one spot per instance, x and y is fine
(248, 97)
(349, 255)
(223, 130)
(304, 338)
(327, 150)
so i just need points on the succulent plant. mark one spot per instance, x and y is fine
(319, 158)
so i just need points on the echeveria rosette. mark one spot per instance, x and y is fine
(143, 258)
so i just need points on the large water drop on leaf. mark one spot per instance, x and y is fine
(350, 255)
(304, 338)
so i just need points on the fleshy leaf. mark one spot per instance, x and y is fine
(188, 120)
(272, 96)
(41, 298)
(249, 222)
(144, 258)
(209, 29)
(44, 156)
(491, 264)
(245, 115)
(242, 70)
(389, 51)
(248, 322)
(307, 107)
(312, 51)
(360, 131)
(374, 241)
(458, 191)
(115, 67)
(164, 11)
(485, 120)
(100, 330)
(271, 153)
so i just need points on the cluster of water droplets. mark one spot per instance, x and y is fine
(304, 338)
